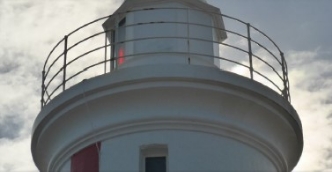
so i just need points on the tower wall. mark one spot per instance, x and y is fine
(187, 151)
(200, 102)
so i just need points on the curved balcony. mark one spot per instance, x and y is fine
(88, 52)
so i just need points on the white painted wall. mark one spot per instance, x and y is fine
(66, 167)
(187, 151)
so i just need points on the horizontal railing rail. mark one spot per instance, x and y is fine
(55, 70)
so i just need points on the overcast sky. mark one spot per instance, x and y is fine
(30, 28)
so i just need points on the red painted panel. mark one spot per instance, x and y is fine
(86, 160)
(121, 56)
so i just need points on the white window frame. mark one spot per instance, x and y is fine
(153, 150)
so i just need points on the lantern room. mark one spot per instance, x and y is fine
(144, 32)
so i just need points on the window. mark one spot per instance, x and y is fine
(155, 164)
(118, 37)
(153, 158)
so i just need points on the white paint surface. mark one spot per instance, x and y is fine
(187, 151)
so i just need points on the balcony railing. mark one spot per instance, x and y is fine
(86, 52)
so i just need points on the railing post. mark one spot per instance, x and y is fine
(284, 73)
(64, 64)
(42, 89)
(105, 62)
(112, 50)
(250, 52)
(188, 35)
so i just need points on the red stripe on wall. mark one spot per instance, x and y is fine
(86, 160)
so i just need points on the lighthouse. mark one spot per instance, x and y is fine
(154, 90)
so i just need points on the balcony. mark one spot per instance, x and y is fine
(90, 51)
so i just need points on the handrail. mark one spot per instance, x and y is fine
(52, 52)
(267, 38)
(50, 85)
(268, 66)
(252, 40)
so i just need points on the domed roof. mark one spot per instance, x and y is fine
(196, 4)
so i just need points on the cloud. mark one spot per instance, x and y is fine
(10, 125)
(19, 88)
(16, 156)
(311, 78)
(7, 64)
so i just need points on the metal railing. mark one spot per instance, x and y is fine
(55, 73)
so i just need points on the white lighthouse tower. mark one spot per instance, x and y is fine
(162, 98)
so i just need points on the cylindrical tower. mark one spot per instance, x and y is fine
(164, 100)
